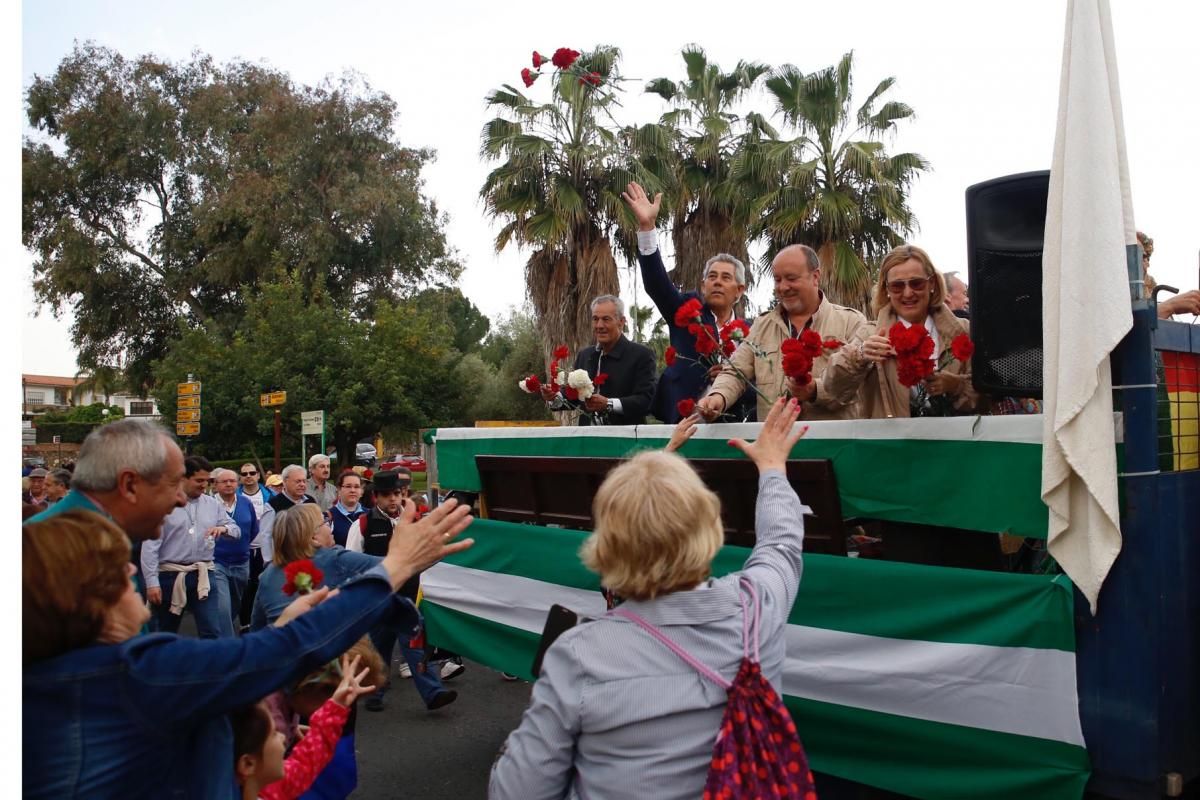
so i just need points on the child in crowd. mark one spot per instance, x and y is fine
(259, 745)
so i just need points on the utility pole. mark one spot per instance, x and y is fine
(278, 466)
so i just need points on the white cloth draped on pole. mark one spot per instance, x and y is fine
(1085, 301)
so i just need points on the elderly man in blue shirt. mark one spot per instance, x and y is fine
(179, 569)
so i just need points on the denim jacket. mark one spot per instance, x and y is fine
(338, 564)
(146, 718)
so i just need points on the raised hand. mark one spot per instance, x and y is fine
(415, 546)
(684, 430)
(777, 438)
(644, 210)
(351, 688)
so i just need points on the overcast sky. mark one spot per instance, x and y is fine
(982, 77)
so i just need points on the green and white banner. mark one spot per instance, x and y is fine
(978, 473)
(933, 682)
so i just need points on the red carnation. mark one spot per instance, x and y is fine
(831, 344)
(797, 365)
(962, 347)
(728, 348)
(669, 356)
(561, 351)
(695, 328)
(532, 384)
(564, 57)
(591, 79)
(301, 576)
(735, 331)
(599, 380)
(706, 345)
(538, 59)
(528, 76)
(688, 312)
(570, 393)
(810, 343)
(686, 406)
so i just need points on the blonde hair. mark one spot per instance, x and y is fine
(74, 569)
(657, 527)
(293, 532)
(897, 256)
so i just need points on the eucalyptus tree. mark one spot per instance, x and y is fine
(834, 186)
(691, 150)
(557, 189)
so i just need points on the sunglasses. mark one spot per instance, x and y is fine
(916, 284)
(248, 474)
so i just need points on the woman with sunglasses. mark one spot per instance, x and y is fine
(910, 291)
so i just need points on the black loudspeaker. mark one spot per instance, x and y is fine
(1006, 227)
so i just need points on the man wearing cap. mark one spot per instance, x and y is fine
(371, 536)
(319, 486)
(36, 494)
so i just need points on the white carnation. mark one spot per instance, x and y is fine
(561, 380)
(581, 382)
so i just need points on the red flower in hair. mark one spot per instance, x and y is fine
(962, 347)
(528, 76)
(564, 57)
(669, 356)
(561, 351)
(538, 59)
(301, 576)
(688, 312)
(686, 406)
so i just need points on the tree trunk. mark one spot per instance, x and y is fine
(701, 235)
(562, 286)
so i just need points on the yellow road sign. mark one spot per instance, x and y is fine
(189, 401)
(272, 399)
(187, 428)
(188, 415)
(191, 387)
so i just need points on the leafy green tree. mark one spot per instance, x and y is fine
(102, 380)
(514, 351)
(393, 370)
(558, 191)
(469, 323)
(834, 187)
(692, 147)
(156, 193)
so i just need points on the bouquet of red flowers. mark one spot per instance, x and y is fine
(714, 346)
(798, 354)
(301, 576)
(915, 363)
(576, 386)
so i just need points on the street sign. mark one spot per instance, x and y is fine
(57, 439)
(312, 422)
(272, 399)
(189, 401)
(188, 415)
(187, 428)
(189, 388)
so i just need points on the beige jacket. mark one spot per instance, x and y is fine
(853, 376)
(759, 360)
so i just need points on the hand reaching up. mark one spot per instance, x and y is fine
(684, 429)
(351, 688)
(644, 210)
(777, 438)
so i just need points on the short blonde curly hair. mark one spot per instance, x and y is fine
(658, 527)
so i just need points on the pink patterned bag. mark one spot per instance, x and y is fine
(758, 752)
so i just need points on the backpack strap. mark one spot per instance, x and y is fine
(751, 625)
(692, 661)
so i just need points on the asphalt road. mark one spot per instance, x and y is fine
(406, 751)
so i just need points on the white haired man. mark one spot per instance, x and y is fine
(320, 488)
(956, 296)
(626, 394)
(292, 492)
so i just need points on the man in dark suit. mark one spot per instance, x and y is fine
(624, 397)
(722, 287)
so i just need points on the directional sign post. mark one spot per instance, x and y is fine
(274, 400)
(311, 423)
(187, 414)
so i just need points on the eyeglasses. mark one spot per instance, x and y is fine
(916, 284)
(248, 474)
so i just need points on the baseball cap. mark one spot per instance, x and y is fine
(37, 473)
(275, 480)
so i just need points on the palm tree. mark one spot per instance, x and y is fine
(101, 380)
(691, 149)
(834, 187)
(558, 189)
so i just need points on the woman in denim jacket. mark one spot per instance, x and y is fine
(108, 713)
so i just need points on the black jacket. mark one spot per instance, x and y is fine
(631, 378)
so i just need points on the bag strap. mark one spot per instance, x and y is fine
(694, 662)
(751, 626)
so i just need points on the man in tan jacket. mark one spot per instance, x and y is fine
(802, 305)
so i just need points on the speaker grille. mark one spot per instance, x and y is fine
(1008, 337)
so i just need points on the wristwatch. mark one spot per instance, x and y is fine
(610, 405)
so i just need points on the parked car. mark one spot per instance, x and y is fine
(411, 461)
(364, 454)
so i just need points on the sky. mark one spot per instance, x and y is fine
(982, 77)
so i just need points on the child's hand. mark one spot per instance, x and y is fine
(351, 688)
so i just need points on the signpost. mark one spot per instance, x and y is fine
(274, 400)
(311, 422)
(187, 414)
